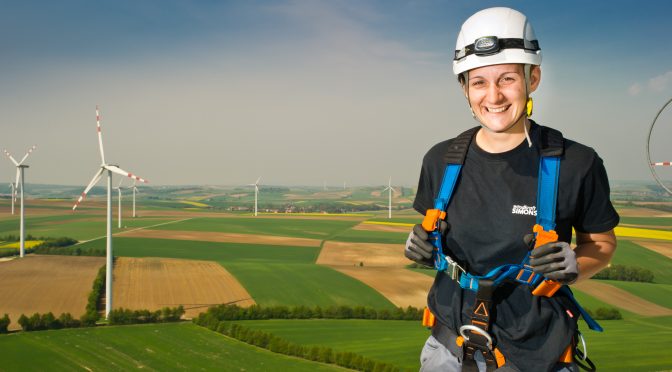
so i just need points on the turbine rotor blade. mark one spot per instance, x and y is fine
(100, 135)
(258, 179)
(11, 158)
(28, 153)
(88, 188)
(122, 172)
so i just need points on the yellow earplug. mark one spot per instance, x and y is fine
(529, 107)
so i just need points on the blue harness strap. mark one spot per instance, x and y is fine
(547, 192)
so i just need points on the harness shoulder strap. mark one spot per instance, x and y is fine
(552, 149)
(454, 158)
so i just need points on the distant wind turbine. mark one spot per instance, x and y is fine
(390, 189)
(256, 193)
(110, 169)
(19, 184)
(135, 190)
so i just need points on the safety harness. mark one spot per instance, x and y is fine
(475, 337)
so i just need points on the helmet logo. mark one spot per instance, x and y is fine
(486, 45)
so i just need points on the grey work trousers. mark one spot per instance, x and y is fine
(437, 358)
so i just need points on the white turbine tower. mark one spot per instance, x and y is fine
(19, 184)
(118, 188)
(135, 189)
(389, 204)
(11, 186)
(110, 169)
(256, 193)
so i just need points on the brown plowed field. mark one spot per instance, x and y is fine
(42, 284)
(383, 270)
(370, 254)
(657, 246)
(642, 212)
(385, 228)
(153, 283)
(620, 298)
(402, 287)
(211, 236)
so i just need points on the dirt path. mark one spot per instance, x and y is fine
(620, 298)
(42, 284)
(210, 236)
(153, 283)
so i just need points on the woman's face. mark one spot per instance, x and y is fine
(497, 95)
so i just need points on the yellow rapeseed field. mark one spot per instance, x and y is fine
(29, 244)
(195, 204)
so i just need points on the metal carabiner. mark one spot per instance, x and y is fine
(473, 328)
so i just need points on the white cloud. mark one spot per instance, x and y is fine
(660, 82)
(635, 89)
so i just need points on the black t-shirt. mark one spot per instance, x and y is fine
(493, 206)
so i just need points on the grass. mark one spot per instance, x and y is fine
(294, 227)
(365, 236)
(400, 342)
(304, 284)
(198, 250)
(163, 347)
(631, 254)
(660, 294)
(648, 221)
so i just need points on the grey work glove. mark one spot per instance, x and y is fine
(418, 248)
(555, 261)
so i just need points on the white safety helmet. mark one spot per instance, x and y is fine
(495, 36)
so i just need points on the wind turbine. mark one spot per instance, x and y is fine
(19, 184)
(256, 193)
(135, 189)
(389, 205)
(110, 169)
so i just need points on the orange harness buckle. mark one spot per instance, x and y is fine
(431, 218)
(547, 288)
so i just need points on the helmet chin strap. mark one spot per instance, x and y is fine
(526, 68)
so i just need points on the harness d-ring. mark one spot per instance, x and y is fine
(473, 328)
(583, 355)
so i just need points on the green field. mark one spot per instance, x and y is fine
(163, 347)
(631, 254)
(364, 236)
(648, 221)
(278, 226)
(274, 275)
(660, 294)
(400, 342)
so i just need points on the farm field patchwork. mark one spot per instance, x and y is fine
(620, 298)
(660, 294)
(155, 347)
(43, 284)
(631, 254)
(212, 236)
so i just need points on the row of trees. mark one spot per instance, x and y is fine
(605, 313)
(234, 312)
(625, 273)
(126, 316)
(40, 322)
(279, 345)
(91, 314)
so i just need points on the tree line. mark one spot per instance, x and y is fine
(256, 312)
(626, 273)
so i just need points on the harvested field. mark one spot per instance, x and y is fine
(402, 287)
(153, 283)
(210, 236)
(383, 270)
(370, 254)
(42, 284)
(663, 248)
(385, 228)
(620, 298)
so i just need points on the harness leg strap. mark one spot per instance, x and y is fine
(476, 336)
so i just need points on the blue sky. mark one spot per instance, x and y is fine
(302, 92)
